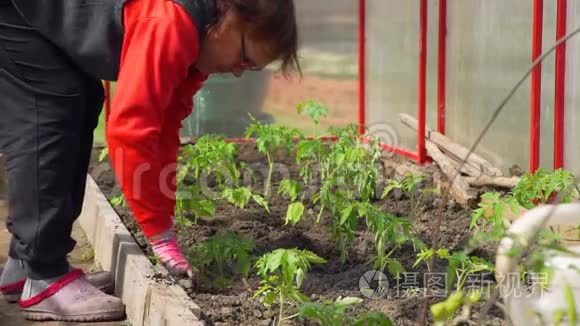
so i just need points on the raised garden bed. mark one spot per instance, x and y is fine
(351, 223)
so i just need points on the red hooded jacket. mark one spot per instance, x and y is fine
(154, 93)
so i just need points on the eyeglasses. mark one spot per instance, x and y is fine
(246, 63)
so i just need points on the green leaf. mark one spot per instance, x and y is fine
(261, 201)
(315, 110)
(373, 318)
(289, 188)
(348, 301)
(118, 201)
(300, 275)
(103, 154)
(241, 196)
(391, 185)
(274, 260)
(294, 213)
(313, 258)
(395, 268)
(346, 213)
(202, 208)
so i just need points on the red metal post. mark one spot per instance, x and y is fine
(560, 86)
(421, 152)
(361, 65)
(536, 86)
(442, 66)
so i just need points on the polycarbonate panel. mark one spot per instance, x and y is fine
(572, 153)
(548, 87)
(489, 49)
(328, 34)
(432, 62)
(392, 67)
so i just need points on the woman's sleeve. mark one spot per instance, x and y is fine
(156, 56)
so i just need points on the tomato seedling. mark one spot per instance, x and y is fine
(334, 313)
(410, 186)
(541, 187)
(221, 250)
(315, 110)
(282, 273)
(240, 197)
(269, 138)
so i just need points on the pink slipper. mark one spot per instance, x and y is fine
(102, 280)
(72, 298)
(170, 255)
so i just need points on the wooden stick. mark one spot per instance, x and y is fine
(502, 182)
(453, 149)
(458, 189)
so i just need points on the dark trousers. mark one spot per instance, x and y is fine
(48, 111)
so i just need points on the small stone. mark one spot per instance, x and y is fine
(237, 303)
(227, 311)
(185, 283)
(264, 322)
(257, 313)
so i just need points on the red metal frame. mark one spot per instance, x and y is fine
(442, 66)
(361, 66)
(251, 140)
(536, 86)
(421, 152)
(400, 151)
(559, 101)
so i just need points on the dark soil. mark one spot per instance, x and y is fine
(234, 306)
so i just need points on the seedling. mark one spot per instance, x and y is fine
(443, 311)
(221, 250)
(427, 255)
(310, 154)
(282, 273)
(240, 197)
(210, 155)
(329, 313)
(409, 185)
(103, 154)
(269, 138)
(118, 201)
(344, 225)
(492, 211)
(390, 232)
(349, 176)
(461, 267)
(349, 171)
(315, 110)
(334, 314)
(191, 200)
(542, 186)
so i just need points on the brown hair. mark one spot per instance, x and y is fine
(273, 22)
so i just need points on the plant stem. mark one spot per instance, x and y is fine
(319, 214)
(281, 315)
(291, 316)
(413, 207)
(269, 178)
